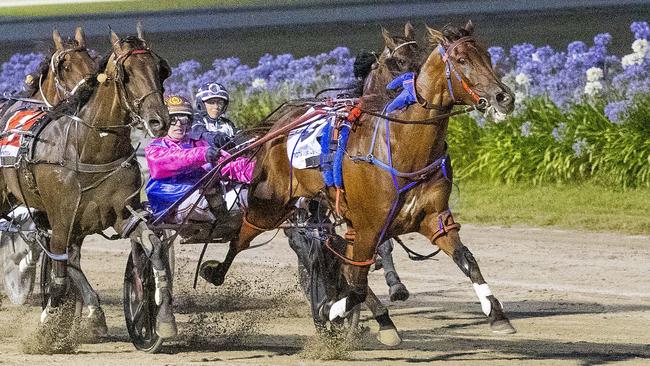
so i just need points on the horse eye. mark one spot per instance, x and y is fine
(461, 61)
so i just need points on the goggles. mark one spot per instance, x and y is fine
(180, 120)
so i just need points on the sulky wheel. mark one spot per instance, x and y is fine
(19, 253)
(140, 309)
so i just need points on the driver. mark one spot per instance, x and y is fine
(176, 162)
(209, 123)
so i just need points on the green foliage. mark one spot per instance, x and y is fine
(561, 146)
(247, 110)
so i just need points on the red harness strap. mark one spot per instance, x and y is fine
(347, 260)
(445, 223)
(248, 223)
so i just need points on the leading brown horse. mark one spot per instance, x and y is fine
(397, 185)
(81, 169)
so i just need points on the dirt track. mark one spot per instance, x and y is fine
(575, 298)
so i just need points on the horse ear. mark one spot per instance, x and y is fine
(469, 27)
(80, 37)
(388, 39)
(58, 42)
(409, 32)
(435, 36)
(115, 41)
(140, 31)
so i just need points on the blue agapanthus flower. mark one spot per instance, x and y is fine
(617, 111)
(641, 30)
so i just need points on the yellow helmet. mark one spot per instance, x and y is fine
(178, 105)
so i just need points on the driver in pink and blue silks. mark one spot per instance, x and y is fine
(176, 162)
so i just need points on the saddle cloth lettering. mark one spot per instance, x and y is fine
(13, 133)
(303, 143)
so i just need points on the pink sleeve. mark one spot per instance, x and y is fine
(165, 162)
(240, 169)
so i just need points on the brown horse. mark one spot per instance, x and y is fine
(400, 54)
(82, 171)
(62, 72)
(380, 200)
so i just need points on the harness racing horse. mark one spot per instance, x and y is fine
(404, 156)
(400, 54)
(61, 73)
(57, 77)
(81, 169)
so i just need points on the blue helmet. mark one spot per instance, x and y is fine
(210, 91)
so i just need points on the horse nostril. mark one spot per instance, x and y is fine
(503, 98)
(155, 124)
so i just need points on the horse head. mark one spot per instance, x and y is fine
(401, 54)
(138, 73)
(63, 71)
(465, 69)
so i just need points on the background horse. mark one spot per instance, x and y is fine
(60, 73)
(381, 201)
(82, 171)
(56, 78)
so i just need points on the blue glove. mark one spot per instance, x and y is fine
(407, 97)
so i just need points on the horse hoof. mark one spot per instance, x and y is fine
(389, 337)
(209, 271)
(96, 323)
(398, 292)
(503, 327)
(166, 328)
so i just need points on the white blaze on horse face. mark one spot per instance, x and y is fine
(338, 309)
(483, 291)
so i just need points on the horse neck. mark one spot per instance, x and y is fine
(102, 110)
(377, 80)
(415, 144)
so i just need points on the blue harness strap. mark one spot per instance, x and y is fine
(326, 156)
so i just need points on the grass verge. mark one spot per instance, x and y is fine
(583, 207)
(101, 7)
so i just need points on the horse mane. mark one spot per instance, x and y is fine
(453, 33)
(44, 67)
(450, 33)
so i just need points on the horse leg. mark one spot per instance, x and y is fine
(96, 319)
(58, 286)
(397, 290)
(450, 243)
(388, 334)
(356, 275)
(156, 251)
